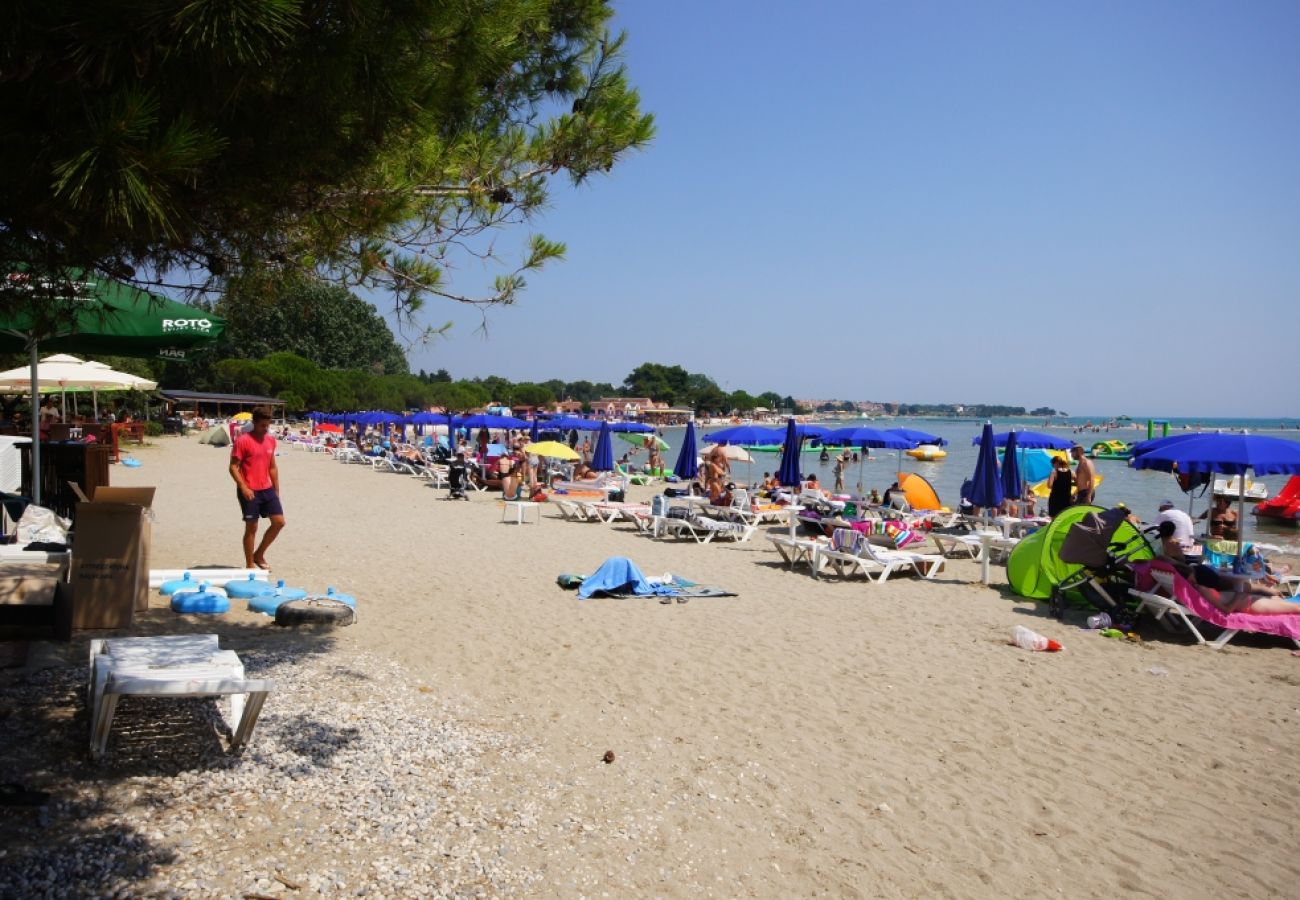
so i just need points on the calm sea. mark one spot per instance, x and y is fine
(1140, 490)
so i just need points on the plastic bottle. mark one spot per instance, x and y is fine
(1100, 620)
(1025, 639)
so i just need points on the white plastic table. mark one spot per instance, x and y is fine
(520, 508)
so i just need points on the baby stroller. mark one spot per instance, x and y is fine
(1105, 578)
(457, 478)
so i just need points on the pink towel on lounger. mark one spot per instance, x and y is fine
(1187, 594)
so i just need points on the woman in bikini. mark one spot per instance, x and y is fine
(1223, 520)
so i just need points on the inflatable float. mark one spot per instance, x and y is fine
(245, 588)
(315, 611)
(927, 453)
(1285, 506)
(271, 599)
(1110, 450)
(205, 601)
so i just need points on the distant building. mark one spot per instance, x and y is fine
(569, 407)
(623, 407)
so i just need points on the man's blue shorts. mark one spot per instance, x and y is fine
(263, 505)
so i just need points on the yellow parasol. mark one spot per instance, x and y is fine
(552, 449)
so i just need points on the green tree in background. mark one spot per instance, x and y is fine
(188, 142)
(311, 318)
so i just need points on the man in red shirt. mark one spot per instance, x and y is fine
(252, 465)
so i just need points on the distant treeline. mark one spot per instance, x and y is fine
(305, 385)
(972, 411)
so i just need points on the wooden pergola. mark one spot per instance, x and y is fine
(221, 404)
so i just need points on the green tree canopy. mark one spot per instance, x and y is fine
(316, 320)
(190, 141)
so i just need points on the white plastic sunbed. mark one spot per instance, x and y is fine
(182, 665)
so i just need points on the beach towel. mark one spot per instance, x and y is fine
(1186, 594)
(618, 576)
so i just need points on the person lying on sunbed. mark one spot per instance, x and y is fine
(585, 473)
(1232, 595)
(813, 486)
(720, 495)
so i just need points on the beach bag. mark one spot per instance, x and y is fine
(678, 512)
(1251, 564)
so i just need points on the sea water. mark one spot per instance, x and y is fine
(1140, 490)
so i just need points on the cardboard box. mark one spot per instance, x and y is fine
(32, 595)
(110, 557)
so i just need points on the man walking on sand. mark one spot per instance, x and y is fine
(252, 465)
(1085, 484)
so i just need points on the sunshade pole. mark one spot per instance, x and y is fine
(1241, 516)
(36, 427)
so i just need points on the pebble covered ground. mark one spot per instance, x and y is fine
(357, 782)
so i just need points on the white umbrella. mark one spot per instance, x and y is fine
(62, 371)
(735, 453)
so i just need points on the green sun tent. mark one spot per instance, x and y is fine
(1035, 566)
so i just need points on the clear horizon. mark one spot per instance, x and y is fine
(1016, 203)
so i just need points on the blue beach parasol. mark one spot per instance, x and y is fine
(1012, 486)
(866, 437)
(1025, 440)
(986, 488)
(688, 464)
(917, 437)
(1225, 454)
(602, 459)
(746, 434)
(788, 474)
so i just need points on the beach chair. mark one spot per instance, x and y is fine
(570, 509)
(795, 550)
(1173, 596)
(844, 553)
(927, 565)
(185, 665)
(957, 545)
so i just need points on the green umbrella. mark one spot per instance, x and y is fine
(102, 317)
(87, 314)
(638, 440)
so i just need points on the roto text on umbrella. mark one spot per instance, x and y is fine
(186, 324)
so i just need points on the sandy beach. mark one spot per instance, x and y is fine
(808, 737)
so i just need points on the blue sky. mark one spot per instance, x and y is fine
(1094, 207)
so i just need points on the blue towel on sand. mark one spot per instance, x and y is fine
(619, 575)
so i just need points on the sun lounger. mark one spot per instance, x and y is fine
(612, 512)
(957, 545)
(844, 555)
(701, 528)
(1164, 592)
(573, 510)
(189, 665)
(605, 484)
(927, 565)
(795, 550)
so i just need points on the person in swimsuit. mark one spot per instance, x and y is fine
(1060, 484)
(1085, 477)
(1223, 520)
(1230, 595)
